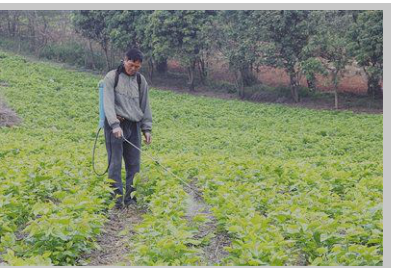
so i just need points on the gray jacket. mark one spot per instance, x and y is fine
(124, 100)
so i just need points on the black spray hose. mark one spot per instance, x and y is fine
(93, 155)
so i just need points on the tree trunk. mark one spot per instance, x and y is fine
(19, 44)
(335, 84)
(295, 93)
(190, 72)
(241, 91)
(92, 57)
(150, 69)
(105, 50)
(294, 89)
(240, 84)
(161, 66)
(111, 55)
(311, 84)
(31, 29)
(14, 23)
(373, 86)
(202, 71)
(336, 98)
(44, 36)
(247, 76)
(8, 23)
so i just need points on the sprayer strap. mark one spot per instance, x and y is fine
(116, 81)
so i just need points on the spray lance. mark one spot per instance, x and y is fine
(101, 126)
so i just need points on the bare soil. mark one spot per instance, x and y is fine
(347, 102)
(114, 240)
(352, 88)
(352, 80)
(214, 251)
(8, 118)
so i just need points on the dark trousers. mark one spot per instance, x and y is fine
(117, 148)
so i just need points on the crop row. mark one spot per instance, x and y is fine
(51, 206)
(165, 236)
(297, 214)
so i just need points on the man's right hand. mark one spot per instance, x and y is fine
(118, 132)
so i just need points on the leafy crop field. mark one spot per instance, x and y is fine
(286, 186)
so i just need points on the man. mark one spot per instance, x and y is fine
(127, 112)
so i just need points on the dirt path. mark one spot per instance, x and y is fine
(214, 252)
(113, 242)
(8, 117)
(347, 103)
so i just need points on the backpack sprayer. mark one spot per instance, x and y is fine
(101, 126)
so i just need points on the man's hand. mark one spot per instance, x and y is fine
(148, 138)
(118, 132)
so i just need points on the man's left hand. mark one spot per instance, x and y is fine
(148, 137)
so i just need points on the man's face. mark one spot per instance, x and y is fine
(132, 67)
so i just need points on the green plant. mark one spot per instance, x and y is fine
(290, 186)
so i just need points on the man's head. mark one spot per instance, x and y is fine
(132, 61)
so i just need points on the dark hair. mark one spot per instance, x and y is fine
(134, 55)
